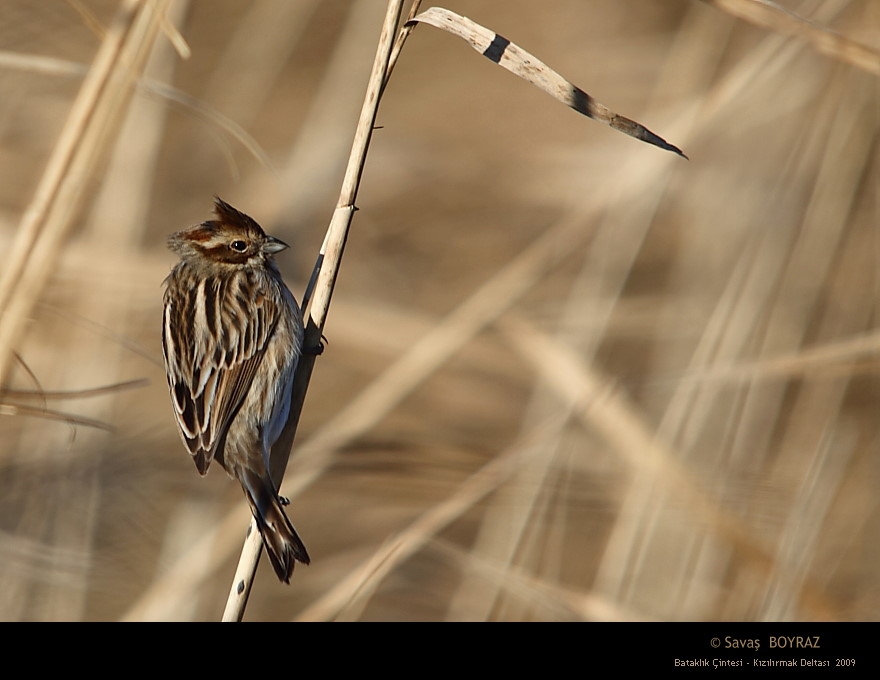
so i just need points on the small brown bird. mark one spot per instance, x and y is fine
(232, 334)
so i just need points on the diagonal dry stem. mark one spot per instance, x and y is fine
(329, 260)
(772, 16)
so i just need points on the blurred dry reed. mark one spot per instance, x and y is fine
(568, 376)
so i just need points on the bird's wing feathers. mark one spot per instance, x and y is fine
(214, 337)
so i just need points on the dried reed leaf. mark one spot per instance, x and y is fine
(168, 28)
(7, 409)
(88, 18)
(832, 359)
(509, 55)
(52, 66)
(77, 394)
(178, 42)
(771, 16)
(556, 598)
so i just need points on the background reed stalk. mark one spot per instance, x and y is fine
(543, 333)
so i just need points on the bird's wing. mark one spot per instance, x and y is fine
(215, 335)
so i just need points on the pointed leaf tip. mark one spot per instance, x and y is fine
(512, 57)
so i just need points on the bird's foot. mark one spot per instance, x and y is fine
(318, 349)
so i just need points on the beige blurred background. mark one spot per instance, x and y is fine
(569, 375)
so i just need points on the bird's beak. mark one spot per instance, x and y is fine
(274, 245)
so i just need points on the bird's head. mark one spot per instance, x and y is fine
(232, 239)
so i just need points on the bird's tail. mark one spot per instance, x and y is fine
(283, 544)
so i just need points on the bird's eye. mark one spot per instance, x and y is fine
(239, 246)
